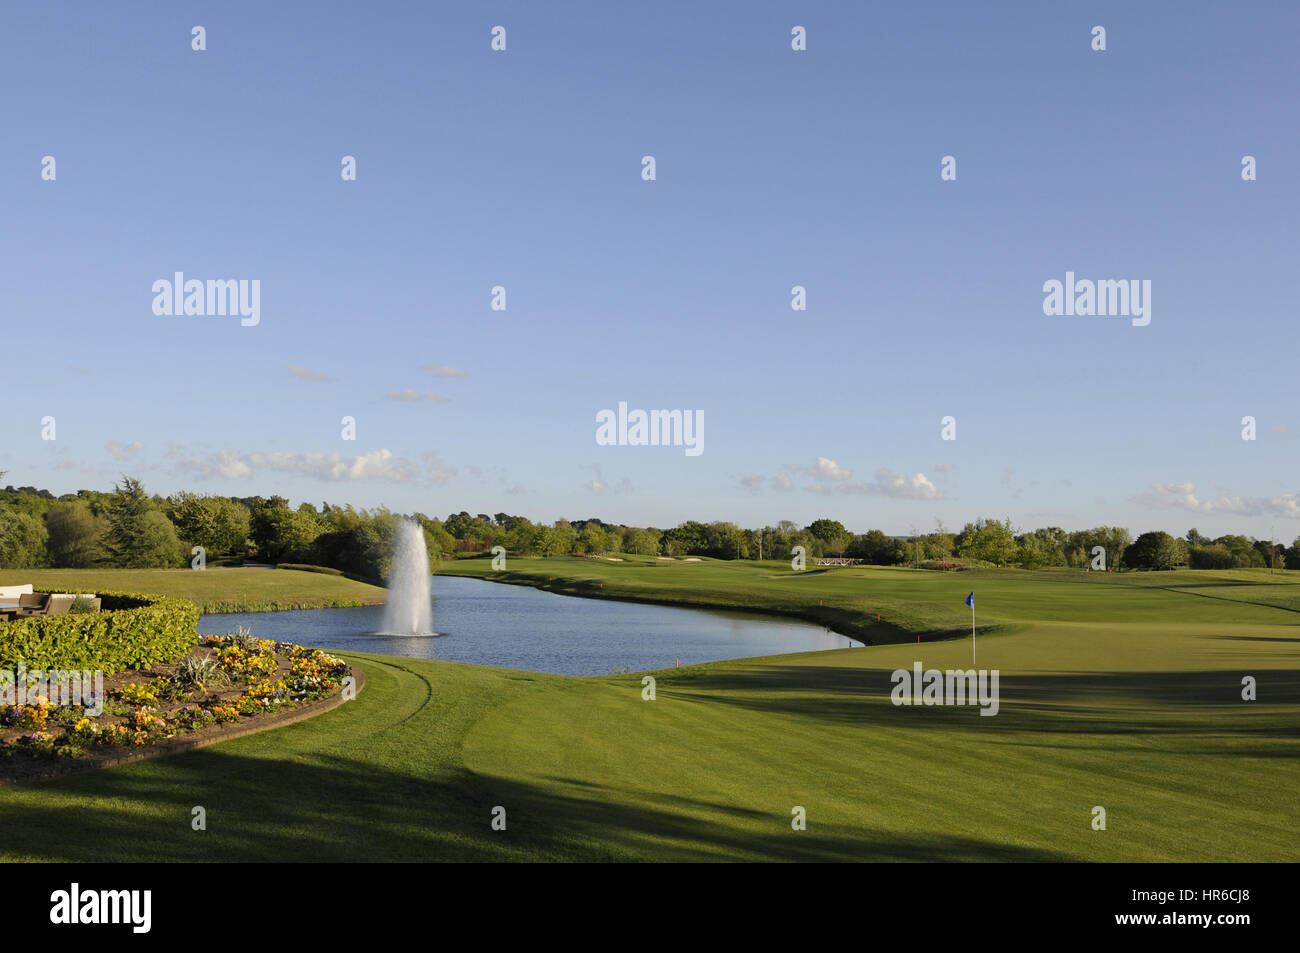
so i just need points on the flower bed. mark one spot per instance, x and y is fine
(224, 681)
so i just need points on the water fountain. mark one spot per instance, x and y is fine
(408, 610)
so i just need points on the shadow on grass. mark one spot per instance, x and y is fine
(1116, 703)
(1292, 640)
(334, 809)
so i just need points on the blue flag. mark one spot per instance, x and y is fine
(970, 600)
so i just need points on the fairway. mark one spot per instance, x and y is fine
(1138, 710)
(214, 589)
(915, 602)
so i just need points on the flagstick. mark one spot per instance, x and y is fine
(972, 636)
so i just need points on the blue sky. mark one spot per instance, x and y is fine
(522, 168)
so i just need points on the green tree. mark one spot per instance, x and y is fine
(219, 525)
(285, 535)
(1156, 550)
(989, 540)
(76, 535)
(687, 539)
(877, 549)
(139, 536)
(832, 534)
(22, 539)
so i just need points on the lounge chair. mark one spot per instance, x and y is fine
(33, 602)
(60, 603)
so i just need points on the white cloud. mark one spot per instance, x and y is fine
(600, 487)
(824, 469)
(442, 370)
(124, 451)
(1183, 496)
(233, 464)
(828, 477)
(411, 395)
(305, 373)
(438, 469)
(898, 486)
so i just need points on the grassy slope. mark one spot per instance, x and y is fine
(913, 602)
(1142, 717)
(214, 589)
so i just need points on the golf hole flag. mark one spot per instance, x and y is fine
(970, 601)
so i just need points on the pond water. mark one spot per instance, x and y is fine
(519, 627)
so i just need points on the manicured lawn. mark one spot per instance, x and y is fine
(1115, 692)
(214, 589)
(912, 602)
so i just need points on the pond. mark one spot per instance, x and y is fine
(519, 627)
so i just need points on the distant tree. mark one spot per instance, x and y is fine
(1268, 551)
(877, 549)
(724, 540)
(22, 539)
(1245, 552)
(565, 539)
(1156, 550)
(221, 526)
(940, 544)
(989, 540)
(641, 542)
(832, 534)
(594, 539)
(440, 542)
(285, 535)
(76, 535)
(463, 526)
(139, 536)
(1042, 547)
(1213, 556)
(689, 538)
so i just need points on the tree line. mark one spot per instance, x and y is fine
(128, 528)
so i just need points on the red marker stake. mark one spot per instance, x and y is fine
(679, 662)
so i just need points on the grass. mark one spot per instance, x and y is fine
(214, 589)
(912, 602)
(1118, 691)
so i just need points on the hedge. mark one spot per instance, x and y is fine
(311, 567)
(132, 631)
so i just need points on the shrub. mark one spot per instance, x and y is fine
(308, 567)
(133, 631)
(82, 604)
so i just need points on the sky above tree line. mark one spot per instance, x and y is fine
(522, 170)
